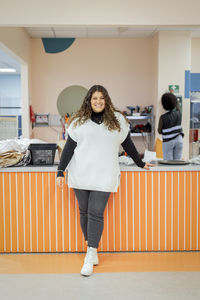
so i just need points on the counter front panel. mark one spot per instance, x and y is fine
(152, 211)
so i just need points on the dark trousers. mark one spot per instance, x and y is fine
(91, 206)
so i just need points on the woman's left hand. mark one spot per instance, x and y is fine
(147, 165)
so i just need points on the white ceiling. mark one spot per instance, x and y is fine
(105, 31)
(93, 32)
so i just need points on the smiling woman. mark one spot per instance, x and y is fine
(95, 133)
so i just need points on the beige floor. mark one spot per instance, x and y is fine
(108, 262)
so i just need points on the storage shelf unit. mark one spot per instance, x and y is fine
(195, 125)
(150, 136)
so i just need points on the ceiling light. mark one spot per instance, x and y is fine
(7, 70)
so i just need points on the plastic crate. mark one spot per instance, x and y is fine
(42, 154)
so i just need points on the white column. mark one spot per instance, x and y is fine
(25, 101)
(173, 59)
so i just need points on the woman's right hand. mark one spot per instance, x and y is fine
(60, 182)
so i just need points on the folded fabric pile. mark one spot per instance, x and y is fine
(126, 160)
(15, 152)
(13, 158)
(195, 160)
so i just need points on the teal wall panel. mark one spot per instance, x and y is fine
(56, 45)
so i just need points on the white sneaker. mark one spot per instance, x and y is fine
(91, 259)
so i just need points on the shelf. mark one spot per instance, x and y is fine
(195, 101)
(147, 137)
(138, 117)
(141, 134)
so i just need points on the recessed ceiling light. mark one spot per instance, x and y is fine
(7, 70)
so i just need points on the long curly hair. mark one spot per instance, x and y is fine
(85, 111)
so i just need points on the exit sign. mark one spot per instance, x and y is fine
(174, 88)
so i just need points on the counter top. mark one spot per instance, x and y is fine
(130, 168)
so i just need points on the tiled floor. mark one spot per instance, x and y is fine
(104, 286)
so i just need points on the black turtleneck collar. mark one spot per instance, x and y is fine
(97, 117)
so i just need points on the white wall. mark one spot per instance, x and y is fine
(126, 12)
(174, 58)
(195, 59)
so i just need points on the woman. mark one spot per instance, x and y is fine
(170, 128)
(95, 133)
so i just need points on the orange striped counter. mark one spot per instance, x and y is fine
(157, 210)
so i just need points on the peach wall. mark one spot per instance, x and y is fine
(195, 61)
(143, 12)
(123, 66)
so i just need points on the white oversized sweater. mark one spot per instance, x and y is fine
(95, 165)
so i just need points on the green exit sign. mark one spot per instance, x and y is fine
(174, 88)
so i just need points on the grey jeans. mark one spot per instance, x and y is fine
(91, 206)
(172, 150)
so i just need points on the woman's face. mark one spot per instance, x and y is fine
(98, 102)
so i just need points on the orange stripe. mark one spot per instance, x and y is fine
(194, 210)
(130, 210)
(109, 262)
(100, 245)
(175, 211)
(105, 235)
(72, 220)
(155, 211)
(79, 231)
(198, 210)
(117, 222)
(1, 215)
(39, 211)
(52, 211)
(7, 210)
(123, 211)
(142, 211)
(136, 210)
(149, 211)
(46, 212)
(66, 217)
(59, 218)
(168, 213)
(20, 212)
(13, 209)
(187, 209)
(181, 210)
(162, 211)
(110, 222)
(27, 212)
(33, 211)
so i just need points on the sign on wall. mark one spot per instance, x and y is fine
(173, 88)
